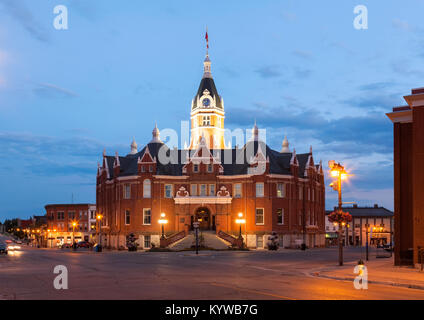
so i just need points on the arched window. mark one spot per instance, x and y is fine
(147, 187)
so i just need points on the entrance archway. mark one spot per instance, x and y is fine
(203, 216)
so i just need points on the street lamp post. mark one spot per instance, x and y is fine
(99, 218)
(338, 171)
(240, 221)
(74, 224)
(162, 222)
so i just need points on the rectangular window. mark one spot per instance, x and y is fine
(259, 217)
(259, 190)
(127, 191)
(210, 168)
(280, 190)
(150, 168)
(237, 190)
(61, 215)
(212, 190)
(71, 215)
(127, 217)
(194, 190)
(195, 168)
(280, 216)
(203, 190)
(147, 188)
(147, 216)
(300, 193)
(92, 214)
(143, 169)
(168, 191)
(147, 242)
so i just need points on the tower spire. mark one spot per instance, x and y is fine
(207, 62)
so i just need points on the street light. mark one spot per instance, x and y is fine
(162, 222)
(99, 218)
(338, 171)
(74, 224)
(240, 221)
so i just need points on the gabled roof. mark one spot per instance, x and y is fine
(234, 161)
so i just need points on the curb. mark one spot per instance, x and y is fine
(384, 283)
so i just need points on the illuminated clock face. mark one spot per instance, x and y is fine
(206, 102)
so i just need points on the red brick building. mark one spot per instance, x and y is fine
(409, 177)
(60, 218)
(211, 183)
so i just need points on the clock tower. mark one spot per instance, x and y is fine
(207, 111)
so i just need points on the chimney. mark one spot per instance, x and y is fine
(376, 206)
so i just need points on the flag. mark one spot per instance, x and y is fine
(207, 40)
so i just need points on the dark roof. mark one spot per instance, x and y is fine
(209, 84)
(367, 211)
(234, 161)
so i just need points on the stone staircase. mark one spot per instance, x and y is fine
(210, 238)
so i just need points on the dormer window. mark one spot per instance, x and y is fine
(196, 168)
(210, 168)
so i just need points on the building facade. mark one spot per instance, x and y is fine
(372, 223)
(408, 124)
(60, 219)
(210, 182)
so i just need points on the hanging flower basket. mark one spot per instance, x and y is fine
(339, 216)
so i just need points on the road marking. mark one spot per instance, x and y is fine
(252, 291)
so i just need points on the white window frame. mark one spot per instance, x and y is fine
(236, 194)
(283, 191)
(212, 187)
(260, 194)
(144, 242)
(256, 217)
(263, 244)
(203, 190)
(144, 216)
(193, 187)
(147, 188)
(127, 191)
(196, 167)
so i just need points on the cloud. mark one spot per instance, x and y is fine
(20, 13)
(48, 90)
(349, 134)
(302, 73)
(302, 54)
(402, 25)
(403, 67)
(267, 72)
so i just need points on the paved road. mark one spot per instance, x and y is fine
(28, 274)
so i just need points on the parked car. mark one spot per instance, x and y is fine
(66, 246)
(3, 248)
(83, 244)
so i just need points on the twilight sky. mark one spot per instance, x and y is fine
(298, 67)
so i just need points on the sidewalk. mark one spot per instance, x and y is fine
(380, 271)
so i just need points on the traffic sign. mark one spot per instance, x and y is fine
(196, 224)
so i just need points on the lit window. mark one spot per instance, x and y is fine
(237, 190)
(259, 217)
(259, 190)
(206, 120)
(280, 216)
(168, 191)
(127, 217)
(147, 186)
(280, 190)
(147, 216)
